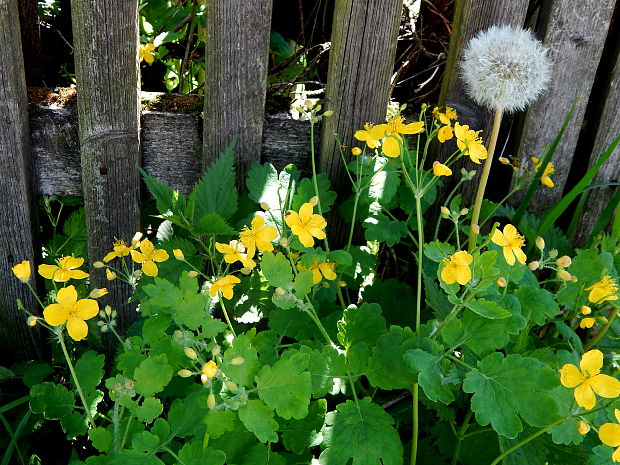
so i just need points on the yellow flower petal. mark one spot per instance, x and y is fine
(585, 396)
(591, 362)
(391, 147)
(609, 434)
(570, 376)
(76, 274)
(67, 296)
(138, 257)
(605, 386)
(150, 268)
(147, 247)
(22, 271)
(86, 309)
(509, 256)
(47, 271)
(463, 274)
(55, 314)
(77, 328)
(159, 255)
(616, 455)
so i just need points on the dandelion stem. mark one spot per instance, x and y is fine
(610, 319)
(75, 379)
(484, 178)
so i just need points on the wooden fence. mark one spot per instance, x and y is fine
(96, 152)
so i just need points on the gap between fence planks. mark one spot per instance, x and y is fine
(16, 211)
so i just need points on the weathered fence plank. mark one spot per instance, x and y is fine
(608, 129)
(471, 17)
(105, 35)
(574, 33)
(16, 209)
(236, 50)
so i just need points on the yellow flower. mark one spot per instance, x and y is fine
(209, 370)
(178, 254)
(120, 250)
(305, 224)
(146, 52)
(96, 293)
(64, 271)
(259, 237)
(111, 275)
(589, 380)
(450, 112)
(394, 127)
(371, 134)
(587, 323)
(356, 151)
(72, 311)
(545, 179)
(439, 169)
(445, 117)
(445, 133)
(582, 427)
(31, 321)
(511, 242)
(147, 256)
(602, 291)
(585, 310)
(319, 270)
(456, 268)
(233, 252)
(225, 286)
(22, 271)
(469, 143)
(609, 434)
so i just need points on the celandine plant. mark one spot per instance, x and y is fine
(258, 343)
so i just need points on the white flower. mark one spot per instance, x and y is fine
(505, 68)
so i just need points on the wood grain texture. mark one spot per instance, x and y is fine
(471, 17)
(574, 33)
(361, 62)
(105, 36)
(16, 215)
(171, 147)
(236, 50)
(608, 129)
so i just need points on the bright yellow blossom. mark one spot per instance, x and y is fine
(96, 293)
(146, 52)
(178, 254)
(394, 128)
(111, 275)
(71, 311)
(511, 242)
(587, 322)
(439, 169)
(469, 143)
(609, 434)
(64, 271)
(545, 179)
(235, 252)
(225, 286)
(456, 268)
(445, 133)
(306, 225)
(356, 151)
(589, 380)
(319, 270)
(147, 256)
(22, 271)
(602, 291)
(371, 134)
(582, 427)
(209, 370)
(120, 250)
(259, 237)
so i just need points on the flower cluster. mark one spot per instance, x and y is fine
(388, 135)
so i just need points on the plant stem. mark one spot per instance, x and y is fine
(415, 424)
(226, 316)
(460, 436)
(526, 440)
(75, 379)
(355, 202)
(484, 178)
(610, 319)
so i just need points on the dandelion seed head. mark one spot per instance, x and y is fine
(505, 67)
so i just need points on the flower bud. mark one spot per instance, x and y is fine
(184, 373)
(31, 321)
(356, 151)
(325, 284)
(191, 353)
(129, 384)
(138, 274)
(211, 401)
(98, 265)
(278, 292)
(464, 211)
(564, 275)
(245, 270)
(582, 427)
(445, 213)
(504, 161)
(216, 350)
(564, 261)
(178, 254)
(265, 206)
(283, 242)
(470, 175)
(540, 243)
(96, 293)
(237, 361)
(533, 266)
(192, 274)
(475, 228)
(111, 275)
(328, 113)
(107, 310)
(585, 310)
(553, 253)
(230, 385)
(587, 323)
(314, 201)
(501, 282)
(342, 284)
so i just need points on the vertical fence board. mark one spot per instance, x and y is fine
(608, 129)
(574, 33)
(105, 34)
(470, 17)
(16, 225)
(361, 62)
(237, 52)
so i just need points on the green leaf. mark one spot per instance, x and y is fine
(74, 424)
(324, 366)
(363, 324)
(145, 442)
(186, 415)
(433, 368)
(262, 454)
(385, 367)
(193, 453)
(216, 192)
(303, 283)
(153, 375)
(150, 409)
(381, 229)
(305, 191)
(265, 185)
(212, 224)
(219, 421)
(101, 439)
(362, 432)
(52, 400)
(163, 293)
(396, 299)
(277, 269)
(537, 305)
(437, 250)
(244, 373)
(487, 309)
(167, 199)
(286, 386)
(258, 418)
(36, 372)
(89, 372)
(299, 435)
(508, 389)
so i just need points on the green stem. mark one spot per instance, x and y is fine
(226, 316)
(355, 202)
(610, 319)
(526, 440)
(418, 206)
(459, 437)
(415, 424)
(484, 178)
(126, 431)
(75, 379)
